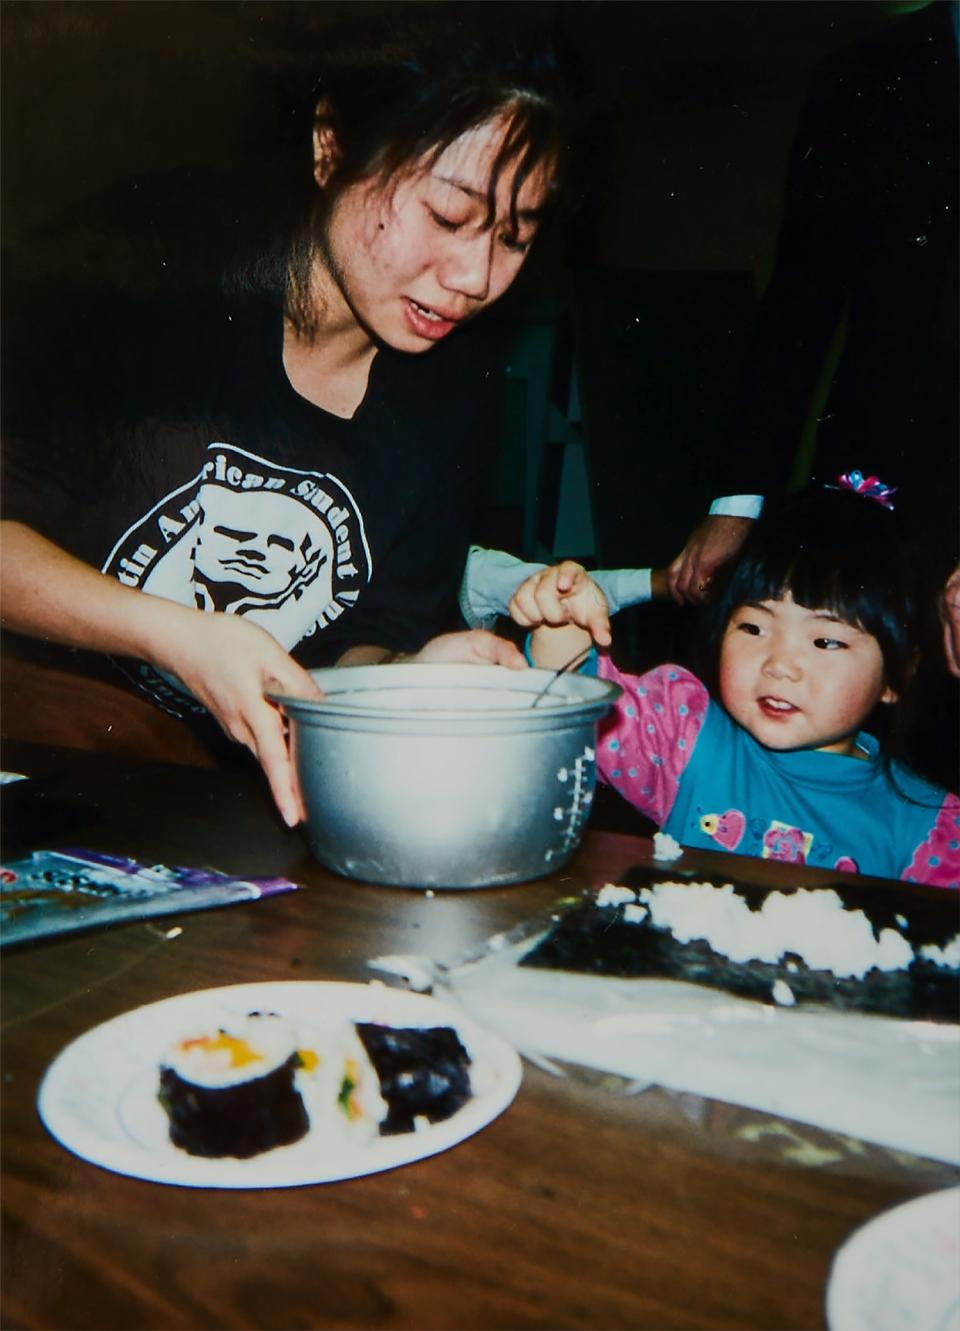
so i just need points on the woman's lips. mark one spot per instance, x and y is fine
(427, 322)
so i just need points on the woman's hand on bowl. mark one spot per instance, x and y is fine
(228, 663)
(473, 647)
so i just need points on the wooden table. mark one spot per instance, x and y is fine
(575, 1208)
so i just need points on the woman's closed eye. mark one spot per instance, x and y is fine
(444, 222)
(509, 239)
(512, 242)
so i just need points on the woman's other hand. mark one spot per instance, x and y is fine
(473, 647)
(715, 540)
(229, 663)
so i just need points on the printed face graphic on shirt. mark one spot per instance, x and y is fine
(257, 551)
(286, 548)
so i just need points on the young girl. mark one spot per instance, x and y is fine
(228, 486)
(813, 630)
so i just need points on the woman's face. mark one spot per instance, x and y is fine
(411, 259)
(800, 679)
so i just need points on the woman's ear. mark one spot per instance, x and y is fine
(326, 150)
(889, 695)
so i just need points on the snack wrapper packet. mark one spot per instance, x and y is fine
(54, 892)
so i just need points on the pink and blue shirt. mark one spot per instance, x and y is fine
(675, 754)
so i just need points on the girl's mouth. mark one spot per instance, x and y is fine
(428, 323)
(776, 707)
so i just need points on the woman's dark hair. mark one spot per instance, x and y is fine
(839, 551)
(400, 84)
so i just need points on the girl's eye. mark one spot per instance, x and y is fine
(828, 644)
(746, 627)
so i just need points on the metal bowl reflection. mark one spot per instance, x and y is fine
(446, 775)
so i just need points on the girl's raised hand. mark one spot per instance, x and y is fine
(561, 595)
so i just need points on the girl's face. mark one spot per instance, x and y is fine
(798, 678)
(411, 259)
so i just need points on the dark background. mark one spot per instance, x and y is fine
(656, 288)
(678, 228)
(652, 295)
(708, 95)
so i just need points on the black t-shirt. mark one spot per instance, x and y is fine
(160, 440)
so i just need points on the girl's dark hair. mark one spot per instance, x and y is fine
(400, 84)
(838, 551)
(831, 550)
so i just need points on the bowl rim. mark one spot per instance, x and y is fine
(433, 674)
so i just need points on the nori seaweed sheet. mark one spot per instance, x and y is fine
(242, 1120)
(423, 1072)
(596, 940)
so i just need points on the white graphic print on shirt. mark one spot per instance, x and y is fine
(284, 547)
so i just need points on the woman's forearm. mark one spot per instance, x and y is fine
(225, 661)
(50, 594)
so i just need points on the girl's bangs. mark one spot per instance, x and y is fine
(841, 577)
(815, 581)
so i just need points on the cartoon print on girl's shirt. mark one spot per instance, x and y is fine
(778, 841)
(727, 829)
(783, 842)
(847, 865)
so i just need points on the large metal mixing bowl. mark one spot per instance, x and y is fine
(446, 775)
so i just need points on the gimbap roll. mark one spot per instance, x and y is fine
(231, 1091)
(423, 1073)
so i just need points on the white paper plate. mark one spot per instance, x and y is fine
(900, 1272)
(99, 1096)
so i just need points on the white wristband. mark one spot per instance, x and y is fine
(737, 506)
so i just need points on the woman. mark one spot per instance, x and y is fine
(226, 491)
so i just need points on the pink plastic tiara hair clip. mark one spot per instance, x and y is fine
(871, 487)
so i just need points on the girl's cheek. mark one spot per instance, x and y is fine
(727, 678)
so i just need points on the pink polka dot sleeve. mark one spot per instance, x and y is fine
(646, 742)
(937, 860)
